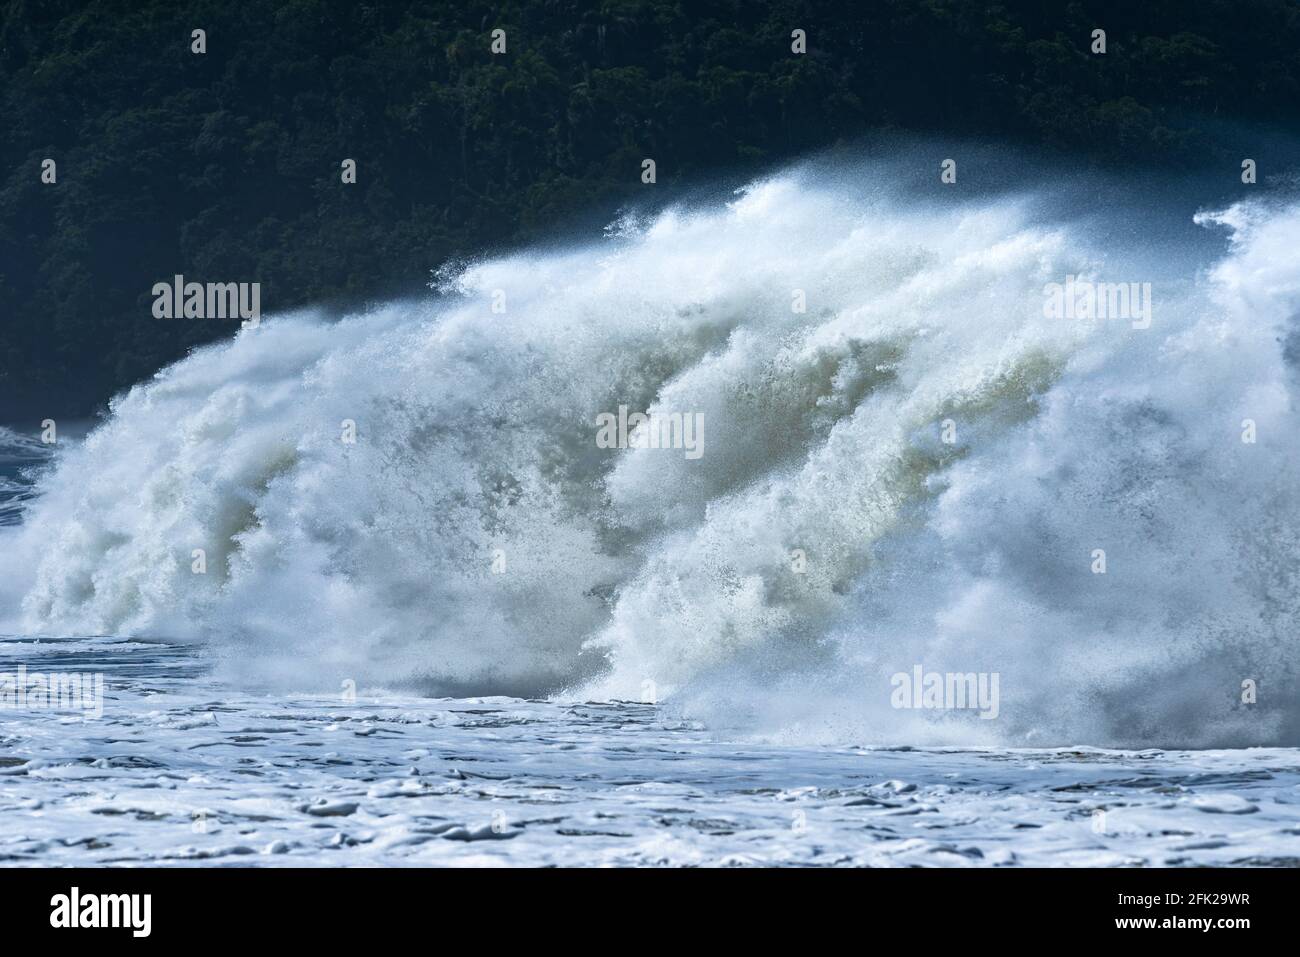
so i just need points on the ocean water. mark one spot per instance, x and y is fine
(184, 770)
(474, 635)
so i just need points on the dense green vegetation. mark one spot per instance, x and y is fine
(225, 166)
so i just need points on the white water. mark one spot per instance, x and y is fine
(476, 432)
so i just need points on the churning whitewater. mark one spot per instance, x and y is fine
(905, 461)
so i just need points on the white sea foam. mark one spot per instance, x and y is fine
(634, 568)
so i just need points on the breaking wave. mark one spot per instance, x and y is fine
(476, 540)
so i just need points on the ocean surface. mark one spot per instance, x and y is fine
(369, 590)
(183, 769)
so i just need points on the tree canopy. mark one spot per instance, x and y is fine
(225, 165)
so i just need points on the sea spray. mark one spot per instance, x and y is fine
(474, 538)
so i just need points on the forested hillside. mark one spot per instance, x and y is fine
(225, 165)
